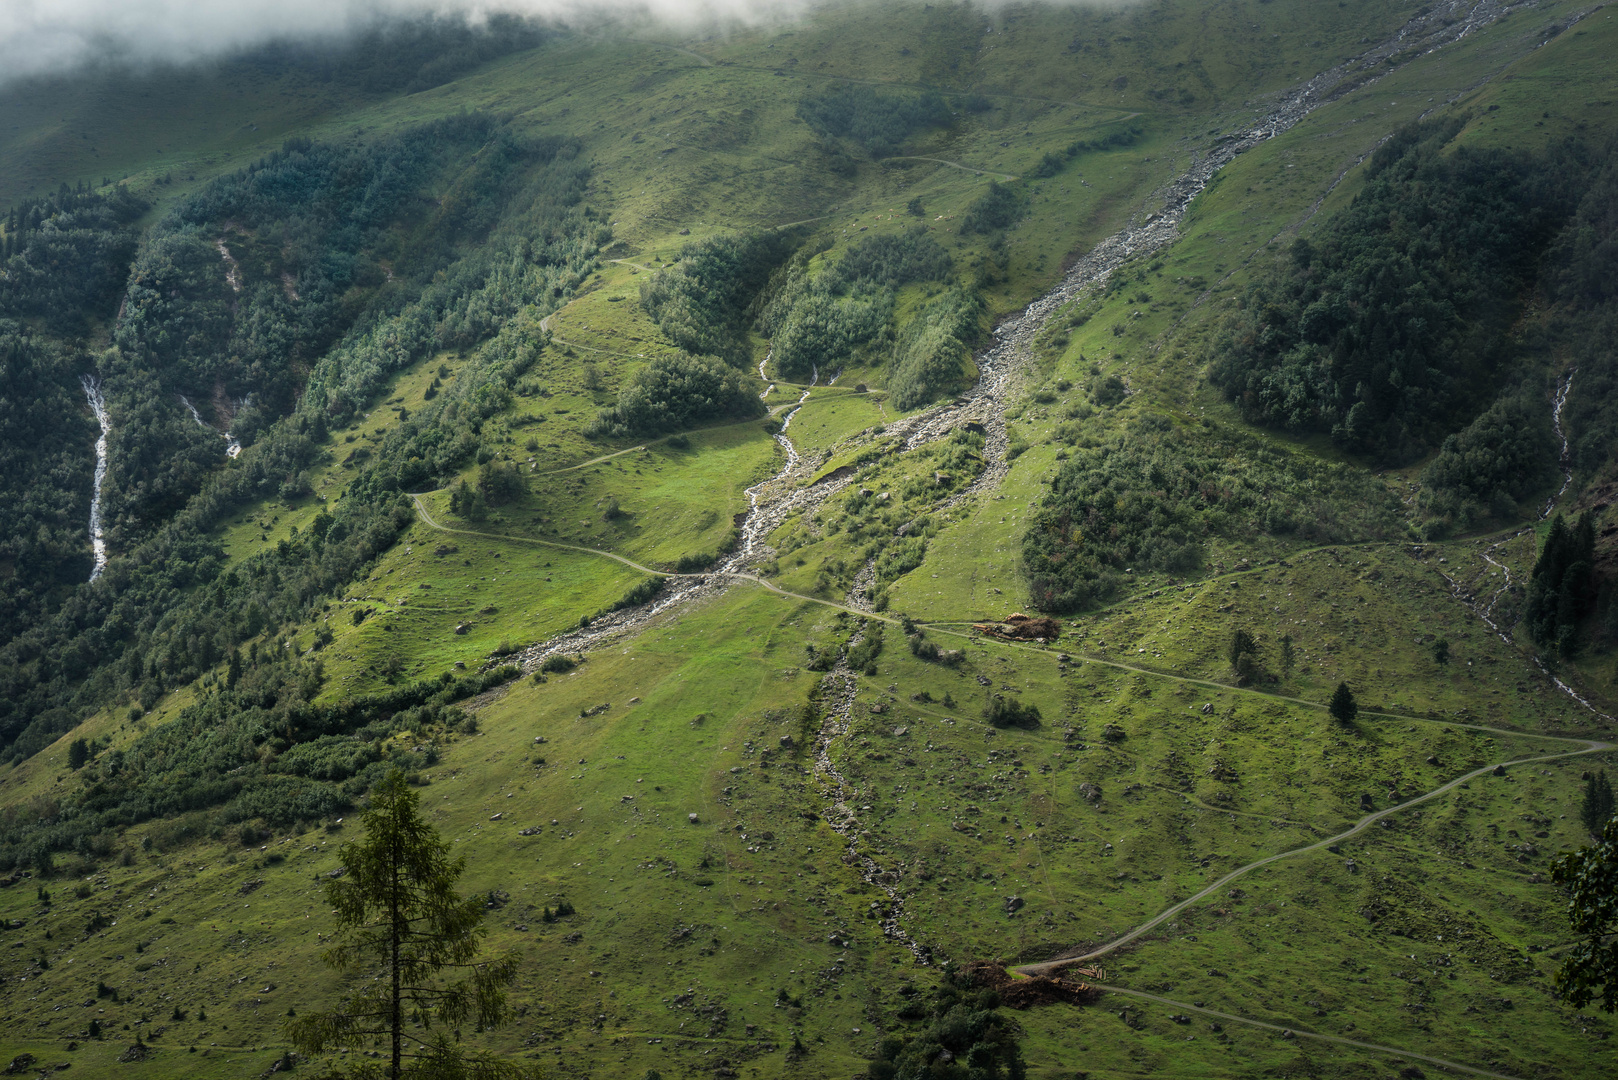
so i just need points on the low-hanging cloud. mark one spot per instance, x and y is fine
(44, 36)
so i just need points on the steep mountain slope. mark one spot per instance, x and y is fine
(748, 730)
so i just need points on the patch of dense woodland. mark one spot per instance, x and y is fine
(1116, 139)
(1154, 495)
(966, 1038)
(819, 312)
(508, 235)
(678, 392)
(1562, 589)
(1389, 330)
(878, 121)
(64, 258)
(828, 313)
(706, 300)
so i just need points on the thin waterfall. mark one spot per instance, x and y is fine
(98, 540)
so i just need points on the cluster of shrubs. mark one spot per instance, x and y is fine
(1153, 496)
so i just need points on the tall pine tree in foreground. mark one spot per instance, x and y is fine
(413, 942)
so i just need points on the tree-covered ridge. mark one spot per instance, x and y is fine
(256, 747)
(163, 599)
(1580, 325)
(247, 282)
(1389, 330)
(1153, 496)
(317, 314)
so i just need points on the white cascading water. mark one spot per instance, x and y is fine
(233, 445)
(98, 540)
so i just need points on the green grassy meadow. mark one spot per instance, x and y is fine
(668, 787)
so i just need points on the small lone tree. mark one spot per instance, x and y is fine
(1289, 655)
(1343, 706)
(1441, 650)
(1597, 806)
(400, 919)
(1590, 876)
(1244, 656)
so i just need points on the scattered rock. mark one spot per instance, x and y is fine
(462, 628)
(786, 741)
(692, 818)
(138, 1051)
(497, 817)
(1014, 904)
(20, 1063)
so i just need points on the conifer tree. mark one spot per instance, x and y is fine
(1343, 706)
(400, 920)
(1562, 590)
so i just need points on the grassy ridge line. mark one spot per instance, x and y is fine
(1304, 1033)
(1592, 746)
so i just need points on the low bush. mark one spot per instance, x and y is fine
(1011, 713)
